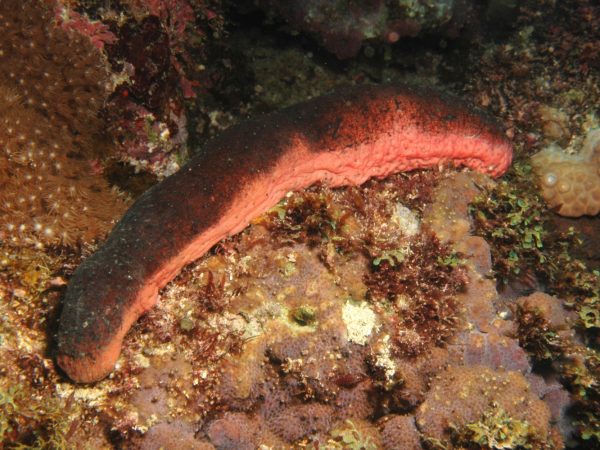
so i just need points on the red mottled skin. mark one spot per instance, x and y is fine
(343, 138)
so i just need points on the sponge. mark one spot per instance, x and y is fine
(571, 182)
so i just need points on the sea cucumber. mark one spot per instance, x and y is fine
(342, 138)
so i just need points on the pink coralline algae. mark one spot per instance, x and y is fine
(177, 13)
(98, 32)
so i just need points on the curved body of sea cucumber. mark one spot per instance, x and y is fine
(342, 138)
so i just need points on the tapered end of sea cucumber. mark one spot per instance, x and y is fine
(90, 367)
(100, 305)
(92, 331)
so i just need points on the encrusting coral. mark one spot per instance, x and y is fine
(54, 83)
(462, 399)
(571, 182)
(400, 432)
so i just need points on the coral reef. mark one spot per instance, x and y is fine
(265, 349)
(278, 323)
(294, 380)
(54, 84)
(571, 183)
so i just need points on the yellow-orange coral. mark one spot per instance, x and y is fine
(53, 85)
(571, 182)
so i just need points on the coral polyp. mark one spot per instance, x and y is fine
(54, 84)
(571, 183)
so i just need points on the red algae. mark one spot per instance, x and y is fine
(341, 139)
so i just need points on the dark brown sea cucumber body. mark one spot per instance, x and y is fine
(342, 138)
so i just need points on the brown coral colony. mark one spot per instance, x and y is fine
(53, 85)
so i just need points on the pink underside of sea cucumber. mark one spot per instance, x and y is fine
(342, 139)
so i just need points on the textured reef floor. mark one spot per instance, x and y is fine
(430, 310)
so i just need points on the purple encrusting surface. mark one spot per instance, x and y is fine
(343, 138)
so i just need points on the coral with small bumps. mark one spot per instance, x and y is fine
(461, 396)
(173, 434)
(400, 432)
(302, 420)
(571, 183)
(53, 85)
